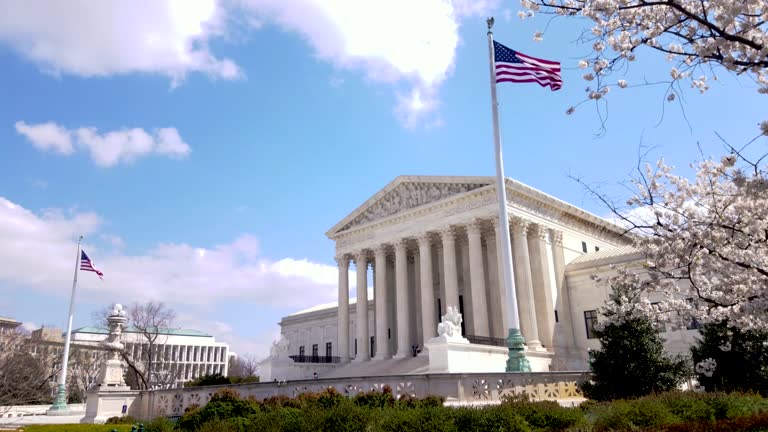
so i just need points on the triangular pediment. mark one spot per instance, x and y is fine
(406, 193)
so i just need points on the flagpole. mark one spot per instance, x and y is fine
(515, 342)
(60, 404)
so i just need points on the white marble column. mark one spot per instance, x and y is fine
(401, 300)
(563, 301)
(477, 281)
(428, 317)
(380, 297)
(343, 310)
(450, 275)
(500, 320)
(361, 317)
(542, 288)
(523, 283)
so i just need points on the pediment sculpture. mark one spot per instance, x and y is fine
(406, 196)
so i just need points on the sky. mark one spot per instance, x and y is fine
(203, 148)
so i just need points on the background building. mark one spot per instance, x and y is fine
(182, 354)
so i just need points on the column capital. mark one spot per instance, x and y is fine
(424, 239)
(557, 236)
(342, 260)
(474, 227)
(400, 244)
(380, 249)
(447, 234)
(519, 224)
(539, 230)
(361, 257)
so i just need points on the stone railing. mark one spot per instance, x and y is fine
(475, 388)
(32, 410)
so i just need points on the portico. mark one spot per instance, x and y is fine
(433, 242)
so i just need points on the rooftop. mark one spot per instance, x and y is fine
(9, 321)
(605, 256)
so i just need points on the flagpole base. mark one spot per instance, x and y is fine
(516, 344)
(59, 406)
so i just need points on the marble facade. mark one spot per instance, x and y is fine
(428, 243)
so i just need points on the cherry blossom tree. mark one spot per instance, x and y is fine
(705, 241)
(698, 37)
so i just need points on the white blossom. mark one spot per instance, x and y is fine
(589, 76)
(693, 34)
(538, 36)
(704, 241)
(706, 367)
(764, 128)
(583, 64)
(622, 83)
(726, 346)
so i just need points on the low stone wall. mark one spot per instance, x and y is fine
(472, 388)
(33, 410)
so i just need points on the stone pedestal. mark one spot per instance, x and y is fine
(110, 396)
(539, 360)
(457, 355)
(103, 404)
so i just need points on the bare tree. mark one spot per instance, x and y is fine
(244, 366)
(25, 378)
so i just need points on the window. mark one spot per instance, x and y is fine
(301, 351)
(597, 249)
(328, 349)
(584, 247)
(355, 346)
(461, 311)
(389, 333)
(315, 352)
(590, 321)
(556, 317)
(373, 346)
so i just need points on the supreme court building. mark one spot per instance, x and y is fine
(430, 242)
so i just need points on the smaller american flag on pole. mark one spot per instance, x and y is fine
(513, 66)
(87, 265)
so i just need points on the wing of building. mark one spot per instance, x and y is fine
(429, 243)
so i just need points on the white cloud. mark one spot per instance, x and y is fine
(86, 38)
(395, 41)
(107, 149)
(410, 45)
(37, 250)
(47, 136)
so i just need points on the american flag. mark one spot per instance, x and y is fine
(87, 265)
(513, 66)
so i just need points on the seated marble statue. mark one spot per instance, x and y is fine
(450, 325)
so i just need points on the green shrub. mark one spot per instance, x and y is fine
(76, 428)
(502, 419)
(548, 415)
(347, 418)
(417, 420)
(689, 407)
(739, 368)
(121, 420)
(374, 399)
(224, 404)
(631, 361)
(159, 425)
